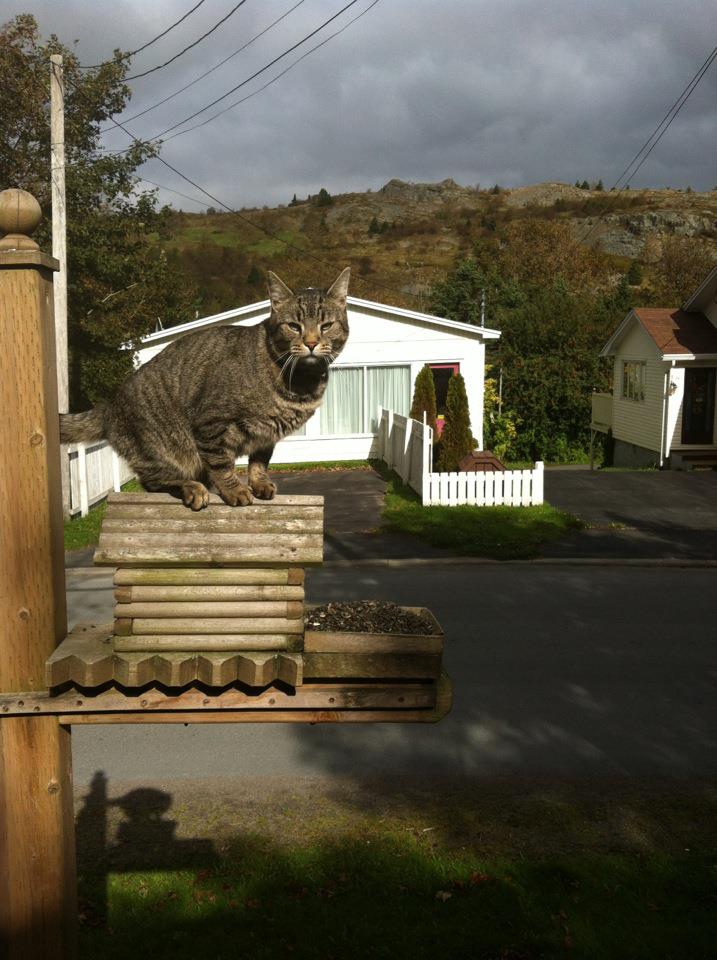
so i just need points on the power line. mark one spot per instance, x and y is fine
(291, 66)
(96, 66)
(703, 71)
(256, 74)
(181, 53)
(215, 67)
(658, 133)
(264, 230)
(172, 190)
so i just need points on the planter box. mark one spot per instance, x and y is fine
(332, 654)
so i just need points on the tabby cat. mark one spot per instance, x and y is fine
(182, 419)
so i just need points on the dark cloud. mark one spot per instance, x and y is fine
(506, 91)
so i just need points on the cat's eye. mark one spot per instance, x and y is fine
(294, 326)
(327, 326)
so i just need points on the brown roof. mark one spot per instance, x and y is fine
(675, 331)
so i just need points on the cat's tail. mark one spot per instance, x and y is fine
(83, 427)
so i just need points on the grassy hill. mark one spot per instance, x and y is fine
(406, 236)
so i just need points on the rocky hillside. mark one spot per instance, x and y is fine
(402, 238)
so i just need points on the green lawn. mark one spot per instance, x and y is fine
(85, 531)
(509, 869)
(500, 533)
(331, 465)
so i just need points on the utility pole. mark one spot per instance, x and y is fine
(59, 251)
(482, 308)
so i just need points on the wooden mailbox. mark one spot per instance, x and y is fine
(210, 616)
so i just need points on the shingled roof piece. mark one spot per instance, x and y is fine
(678, 333)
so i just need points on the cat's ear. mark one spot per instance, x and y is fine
(278, 291)
(338, 291)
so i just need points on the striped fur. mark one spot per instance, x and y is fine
(182, 419)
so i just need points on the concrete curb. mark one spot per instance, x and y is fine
(398, 563)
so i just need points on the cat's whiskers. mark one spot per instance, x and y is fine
(291, 370)
(286, 364)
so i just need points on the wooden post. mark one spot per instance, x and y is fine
(37, 859)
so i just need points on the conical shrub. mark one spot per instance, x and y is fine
(457, 438)
(424, 398)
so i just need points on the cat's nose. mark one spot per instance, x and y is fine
(311, 344)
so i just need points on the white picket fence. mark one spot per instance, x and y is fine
(489, 488)
(407, 447)
(95, 470)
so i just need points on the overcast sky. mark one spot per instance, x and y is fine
(484, 91)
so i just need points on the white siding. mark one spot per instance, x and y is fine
(639, 422)
(376, 338)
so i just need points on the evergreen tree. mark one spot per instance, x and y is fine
(634, 274)
(457, 438)
(293, 202)
(374, 228)
(584, 185)
(424, 398)
(120, 277)
(254, 277)
(324, 199)
(599, 185)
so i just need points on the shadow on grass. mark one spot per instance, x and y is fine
(397, 869)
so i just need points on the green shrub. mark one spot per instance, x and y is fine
(424, 398)
(457, 438)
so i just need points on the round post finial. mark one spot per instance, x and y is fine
(20, 215)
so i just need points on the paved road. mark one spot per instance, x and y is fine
(558, 671)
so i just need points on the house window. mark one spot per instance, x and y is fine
(343, 408)
(633, 381)
(355, 393)
(388, 387)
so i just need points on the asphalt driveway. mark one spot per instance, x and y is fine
(637, 514)
(641, 514)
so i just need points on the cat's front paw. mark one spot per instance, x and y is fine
(264, 489)
(195, 495)
(236, 496)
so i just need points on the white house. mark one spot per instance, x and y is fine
(662, 409)
(386, 349)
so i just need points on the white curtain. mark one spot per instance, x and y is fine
(388, 387)
(342, 409)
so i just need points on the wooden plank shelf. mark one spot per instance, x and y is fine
(92, 655)
(348, 702)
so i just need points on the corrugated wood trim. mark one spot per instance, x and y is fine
(87, 658)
